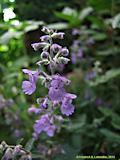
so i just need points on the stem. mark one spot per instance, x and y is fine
(51, 56)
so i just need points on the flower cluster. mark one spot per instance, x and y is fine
(53, 55)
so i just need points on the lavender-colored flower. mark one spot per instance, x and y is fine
(60, 79)
(98, 101)
(17, 133)
(74, 58)
(67, 108)
(80, 53)
(30, 86)
(56, 94)
(44, 124)
(90, 75)
(51, 130)
(76, 43)
(55, 48)
(75, 32)
(56, 90)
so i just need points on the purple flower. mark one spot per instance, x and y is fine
(98, 101)
(44, 124)
(60, 79)
(74, 58)
(44, 55)
(75, 32)
(30, 86)
(76, 43)
(56, 90)
(80, 53)
(64, 51)
(67, 108)
(56, 94)
(90, 75)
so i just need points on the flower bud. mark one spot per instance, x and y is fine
(44, 55)
(63, 60)
(8, 154)
(17, 150)
(44, 38)
(64, 51)
(34, 110)
(59, 35)
(55, 48)
(47, 30)
(44, 104)
(37, 46)
(4, 144)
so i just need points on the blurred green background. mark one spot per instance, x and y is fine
(92, 33)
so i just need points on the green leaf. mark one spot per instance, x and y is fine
(110, 51)
(111, 74)
(85, 12)
(67, 14)
(58, 26)
(115, 117)
(29, 144)
(116, 121)
(78, 124)
(116, 21)
(110, 136)
(106, 111)
(100, 4)
(7, 36)
(99, 36)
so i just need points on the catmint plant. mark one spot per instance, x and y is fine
(52, 55)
